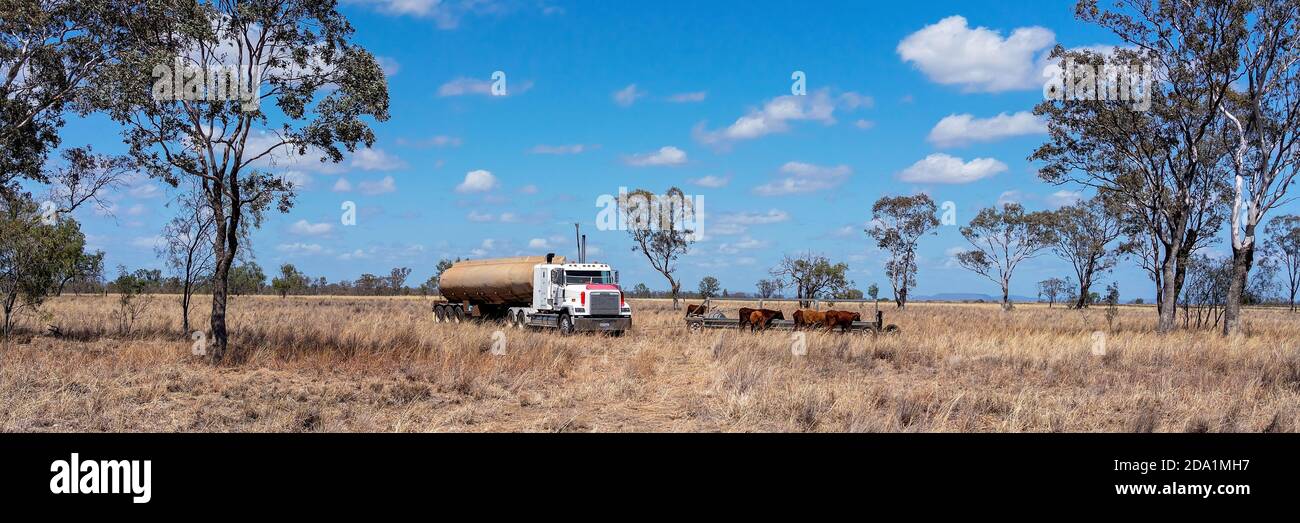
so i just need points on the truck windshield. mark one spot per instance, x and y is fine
(571, 277)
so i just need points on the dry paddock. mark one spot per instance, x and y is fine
(381, 364)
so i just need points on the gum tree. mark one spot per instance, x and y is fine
(1263, 129)
(49, 49)
(1283, 233)
(187, 246)
(1003, 240)
(1082, 235)
(658, 227)
(1164, 163)
(304, 89)
(897, 224)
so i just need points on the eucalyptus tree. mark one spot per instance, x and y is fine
(215, 91)
(1164, 162)
(1083, 235)
(897, 225)
(1002, 240)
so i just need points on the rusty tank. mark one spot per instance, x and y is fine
(495, 281)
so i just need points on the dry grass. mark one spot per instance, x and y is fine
(381, 364)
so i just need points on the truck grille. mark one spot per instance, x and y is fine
(604, 304)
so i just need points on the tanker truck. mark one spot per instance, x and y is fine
(534, 291)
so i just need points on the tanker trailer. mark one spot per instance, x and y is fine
(534, 291)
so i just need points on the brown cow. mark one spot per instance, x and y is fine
(696, 310)
(808, 318)
(761, 319)
(842, 319)
(743, 315)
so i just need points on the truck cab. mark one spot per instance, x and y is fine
(587, 293)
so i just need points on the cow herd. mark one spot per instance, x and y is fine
(761, 319)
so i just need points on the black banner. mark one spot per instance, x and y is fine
(157, 473)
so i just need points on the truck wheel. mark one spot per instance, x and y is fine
(457, 314)
(566, 325)
(440, 313)
(521, 319)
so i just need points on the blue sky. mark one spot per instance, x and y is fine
(603, 95)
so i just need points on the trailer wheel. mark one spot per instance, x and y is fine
(695, 326)
(456, 314)
(521, 319)
(440, 313)
(566, 325)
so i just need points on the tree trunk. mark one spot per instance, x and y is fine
(220, 290)
(1168, 300)
(186, 293)
(1006, 296)
(1241, 261)
(1085, 287)
(676, 287)
(902, 298)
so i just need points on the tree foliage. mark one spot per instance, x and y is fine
(897, 225)
(1002, 240)
(813, 276)
(294, 55)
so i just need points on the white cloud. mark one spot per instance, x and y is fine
(439, 141)
(799, 177)
(559, 149)
(528, 189)
(486, 217)
(464, 86)
(1063, 197)
(726, 229)
(307, 228)
(356, 254)
(776, 114)
(342, 185)
(628, 95)
(666, 155)
(447, 14)
(697, 96)
(145, 191)
(477, 181)
(1012, 196)
(754, 218)
(864, 124)
(745, 243)
(712, 182)
(298, 179)
(147, 242)
(942, 168)
(389, 65)
(539, 243)
(368, 159)
(136, 210)
(962, 129)
(294, 249)
(980, 59)
(370, 188)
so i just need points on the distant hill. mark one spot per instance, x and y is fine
(970, 296)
